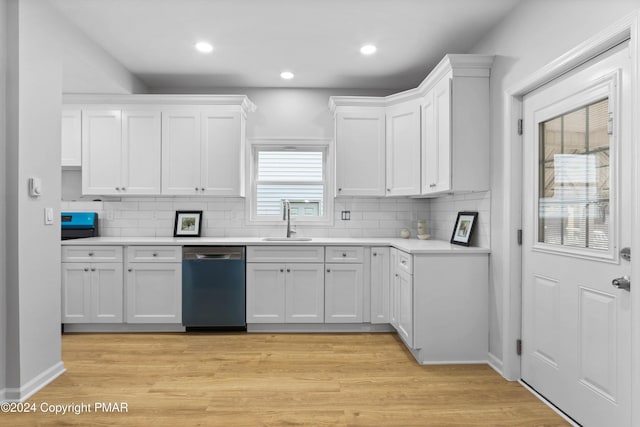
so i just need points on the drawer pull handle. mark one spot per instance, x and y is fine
(90, 253)
(154, 254)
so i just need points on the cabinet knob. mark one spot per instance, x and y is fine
(130, 270)
(86, 269)
(197, 188)
(123, 188)
(93, 269)
(117, 188)
(375, 254)
(403, 262)
(282, 270)
(90, 253)
(154, 254)
(328, 270)
(202, 189)
(388, 189)
(344, 254)
(432, 185)
(288, 270)
(396, 274)
(339, 189)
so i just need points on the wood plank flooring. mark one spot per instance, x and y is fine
(274, 380)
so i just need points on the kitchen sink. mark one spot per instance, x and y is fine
(287, 239)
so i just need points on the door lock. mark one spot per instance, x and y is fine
(625, 254)
(622, 283)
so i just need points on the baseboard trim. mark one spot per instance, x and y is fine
(122, 327)
(3, 394)
(496, 364)
(549, 404)
(36, 384)
(318, 327)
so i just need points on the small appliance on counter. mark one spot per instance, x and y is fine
(78, 225)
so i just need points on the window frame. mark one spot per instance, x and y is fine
(302, 144)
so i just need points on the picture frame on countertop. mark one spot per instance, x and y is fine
(187, 224)
(463, 229)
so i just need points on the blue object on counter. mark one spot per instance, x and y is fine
(76, 225)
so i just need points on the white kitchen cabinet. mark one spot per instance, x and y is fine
(394, 297)
(343, 293)
(380, 284)
(285, 293)
(304, 293)
(402, 296)
(266, 292)
(360, 151)
(154, 292)
(153, 284)
(71, 138)
(120, 152)
(403, 149)
(455, 135)
(203, 151)
(92, 292)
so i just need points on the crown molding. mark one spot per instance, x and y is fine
(151, 99)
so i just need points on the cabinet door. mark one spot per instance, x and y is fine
(154, 292)
(360, 152)
(265, 293)
(222, 158)
(436, 138)
(101, 152)
(343, 293)
(304, 293)
(71, 138)
(141, 146)
(404, 292)
(394, 299)
(403, 149)
(181, 152)
(76, 292)
(106, 292)
(380, 282)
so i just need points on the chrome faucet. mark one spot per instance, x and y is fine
(286, 214)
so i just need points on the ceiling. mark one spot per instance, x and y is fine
(254, 40)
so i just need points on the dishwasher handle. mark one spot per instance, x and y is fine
(213, 256)
(213, 253)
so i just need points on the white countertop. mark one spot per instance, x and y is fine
(413, 246)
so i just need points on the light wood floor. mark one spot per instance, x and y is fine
(275, 380)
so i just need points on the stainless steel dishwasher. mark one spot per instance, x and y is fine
(213, 287)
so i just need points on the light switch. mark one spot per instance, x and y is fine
(48, 216)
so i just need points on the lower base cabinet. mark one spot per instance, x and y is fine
(285, 293)
(343, 293)
(154, 292)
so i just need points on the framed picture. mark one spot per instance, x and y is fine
(187, 224)
(463, 230)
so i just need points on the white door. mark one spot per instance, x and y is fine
(403, 149)
(360, 152)
(265, 292)
(141, 146)
(106, 292)
(404, 294)
(181, 152)
(304, 293)
(101, 152)
(343, 293)
(222, 156)
(577, 205)
(436, 138)
(380, 284)
(154, 292)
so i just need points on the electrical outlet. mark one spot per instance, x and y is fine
(346, 215)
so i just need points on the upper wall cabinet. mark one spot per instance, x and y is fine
(455, 129)
(153, 145)
(360, 151)
(203, 151)
(403, 149)
(436, 136)
(71, 138)
(120, 152)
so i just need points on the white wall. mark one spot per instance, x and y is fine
(443, 212)
(532, 35)
(3, 237)
(34, 99)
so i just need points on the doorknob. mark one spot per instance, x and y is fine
(622, 283)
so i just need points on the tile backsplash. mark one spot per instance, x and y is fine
(225, 217)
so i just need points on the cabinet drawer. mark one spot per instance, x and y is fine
(154, 253)
(348, 254)
(285, 253)
(405, 262)
(92, 253)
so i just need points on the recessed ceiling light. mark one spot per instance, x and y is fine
(368, 49)
(204, 47)
(287, 75)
